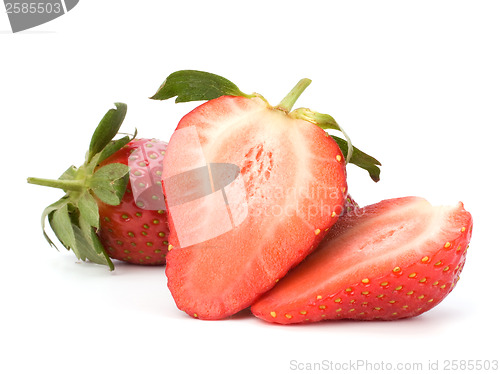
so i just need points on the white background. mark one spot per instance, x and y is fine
(415, 84)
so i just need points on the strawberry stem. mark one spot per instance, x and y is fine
(67, 185)
(288, 102)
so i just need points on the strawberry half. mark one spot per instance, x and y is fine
(390, 260)
(114, 205)
(250, 190)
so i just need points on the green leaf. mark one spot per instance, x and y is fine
(86, 250)
(194, 85)
(107, 129)
(99, 248)
(110, 172)
(72, 228)
(48, 211)
(113, 147)
(82, 240)
(89, 211)
(109, 183)
(108, 195)
(360, 159)
(92, 247)
(69, 174)
(325, 121)
(60, 221)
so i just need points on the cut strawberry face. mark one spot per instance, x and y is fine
(293, 188)
(395, 259)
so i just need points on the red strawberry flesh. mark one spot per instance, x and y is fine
(394, 259)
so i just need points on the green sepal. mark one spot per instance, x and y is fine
(69, 174)
(194, 85)
(61, 224)
(48, 211)
(86, 249)
(325, 121)
(99, 248)
(72, 226)
(107, 129)
(110, 182)
(114, 146)
(361, 159)
(109, 150)
(89, 244)
(89, 210)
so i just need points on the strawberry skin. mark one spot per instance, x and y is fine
(350, 205)
(294, 183)
(136, 230)
(390, 260)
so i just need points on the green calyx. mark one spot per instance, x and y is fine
(194, 85)
(74, 218)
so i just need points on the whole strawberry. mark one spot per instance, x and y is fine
(113, 206)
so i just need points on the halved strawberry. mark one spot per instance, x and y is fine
(294, 188)
(390, 260)
(250, 189)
